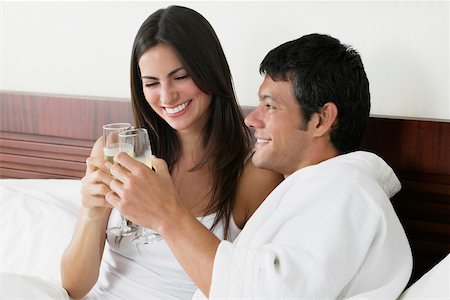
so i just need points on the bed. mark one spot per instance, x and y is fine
(45, 140)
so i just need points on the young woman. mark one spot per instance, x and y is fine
(182, 92)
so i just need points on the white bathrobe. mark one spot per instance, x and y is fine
(328, 231)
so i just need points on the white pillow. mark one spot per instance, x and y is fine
(19, 286)
(37, 218)
(433, 285)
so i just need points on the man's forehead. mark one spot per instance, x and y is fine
(275, 90)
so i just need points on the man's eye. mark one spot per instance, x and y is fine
(269, 106)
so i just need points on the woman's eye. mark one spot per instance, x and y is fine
(182, 77)
(150, 84)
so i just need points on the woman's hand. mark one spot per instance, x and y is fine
(143, 196)
(150, 199)
(81, 260)
(94, 187)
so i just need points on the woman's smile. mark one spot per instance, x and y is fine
(178, 110)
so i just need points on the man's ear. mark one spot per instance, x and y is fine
(325, 119)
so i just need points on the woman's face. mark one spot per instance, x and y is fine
(170, 90)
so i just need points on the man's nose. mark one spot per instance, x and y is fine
(253, 120)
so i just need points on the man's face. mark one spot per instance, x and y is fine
(281, 144)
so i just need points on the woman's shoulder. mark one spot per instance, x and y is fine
(254, 185)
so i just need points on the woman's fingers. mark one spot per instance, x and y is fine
(95, 201)
(126, 161)
(112, 199)
(139, 193)
(95, 184)
(94, 163)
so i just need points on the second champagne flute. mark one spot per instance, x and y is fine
(136, 143)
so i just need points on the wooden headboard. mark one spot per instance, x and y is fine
(50, 136)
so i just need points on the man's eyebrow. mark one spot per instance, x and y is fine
(168, 75)
(268, 97)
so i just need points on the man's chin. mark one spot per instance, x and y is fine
(260, 162)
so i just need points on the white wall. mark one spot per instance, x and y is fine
(83, 48)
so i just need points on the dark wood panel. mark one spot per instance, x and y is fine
(50, 136)
(420, 209)
(413, 145)
(41, 162)
(46, 139)
(21, 174)
(43, 171)
(42, 165)
(60, 116)
(33, 149)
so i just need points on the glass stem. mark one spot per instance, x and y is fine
(123, 222)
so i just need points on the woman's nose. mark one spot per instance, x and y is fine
(168, 95)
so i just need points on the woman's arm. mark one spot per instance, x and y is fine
(149, 198)
(195, 246)
(80, 263)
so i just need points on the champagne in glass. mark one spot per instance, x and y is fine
(111, 148)
(136, 143)
(111, 139)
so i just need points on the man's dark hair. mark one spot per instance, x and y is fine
(322, 70)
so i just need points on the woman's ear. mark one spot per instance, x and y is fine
(326, 118)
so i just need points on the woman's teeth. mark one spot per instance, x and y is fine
(262, 140)
(178, 108)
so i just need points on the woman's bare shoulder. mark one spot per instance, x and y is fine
(255, 184)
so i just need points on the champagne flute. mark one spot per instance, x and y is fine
(111, 148)
(111, 139)
(136, 143)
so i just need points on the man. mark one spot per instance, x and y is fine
(328, 231)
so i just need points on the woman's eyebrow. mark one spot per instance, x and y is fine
(170, 74)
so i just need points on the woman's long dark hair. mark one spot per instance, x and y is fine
(226, 138)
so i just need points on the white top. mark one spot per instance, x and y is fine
(146, 271)
(328, 231)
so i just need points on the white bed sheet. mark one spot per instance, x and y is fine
(433, 285)
(37, 217)
(28, 287)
